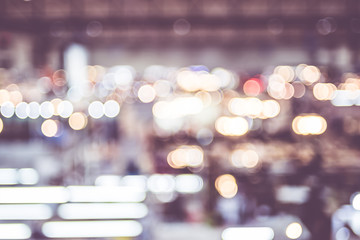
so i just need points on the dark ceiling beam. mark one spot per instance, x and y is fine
(42, 25)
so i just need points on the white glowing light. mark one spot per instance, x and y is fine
(312, 124)
(92, 229)
(232, 126)
(12, 176)
(179, 107)
(193, 81)
(342, 234)
(188, 183)
(166, 197)
(286, 72)
(310, 74)
(162, 88)
(8, 176)
(96, 109)
(28, 176)
(253, 233)
(244, 158)
(271, 108)
(356, 201)
(187, 105)
(46, 109)
(102, 211)
(14, 231)
(109, 81)
(55, 102)
(324, 91)
(65, 109)
(108, 180)
(105, 194)
(25, 212)
(251, 107)
(161, 183)
(136, 181)
(293, 194)
(146, 94)
(294, 230)
(7, 109)
(345, 98)
(124, 75)
(33, 195)
(226, 77)
(34, 110)
(22, 110)
(111, 108)
(75, 59)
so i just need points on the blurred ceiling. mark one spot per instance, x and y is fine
(234, 21)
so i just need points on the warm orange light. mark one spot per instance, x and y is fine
(232, 126)
(312, 124)
(226, 186)
(49, 128)
(78, 121)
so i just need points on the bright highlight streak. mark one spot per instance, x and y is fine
(33, 195)
(14, 231)
(92, 229)
(105, 194)
(253, 233)
(25, 212)
(1, 125)
(102, 211)
(75, 58)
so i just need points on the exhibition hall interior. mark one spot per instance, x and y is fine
(180, 119)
